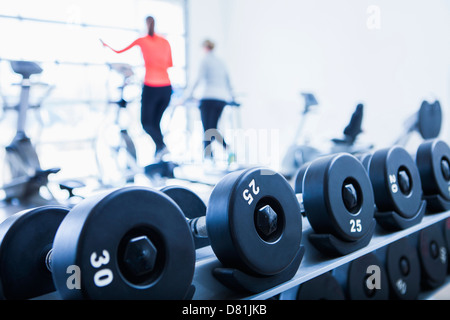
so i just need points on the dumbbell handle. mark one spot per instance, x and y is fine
(48, 260)
(300, 202)
(198, 227)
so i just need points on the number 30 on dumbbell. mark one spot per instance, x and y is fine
(131, 243)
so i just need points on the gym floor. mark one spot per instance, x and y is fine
(379, 55)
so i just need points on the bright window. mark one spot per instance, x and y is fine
(63, 35)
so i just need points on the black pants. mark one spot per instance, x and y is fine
(210, 111)
(153, 104)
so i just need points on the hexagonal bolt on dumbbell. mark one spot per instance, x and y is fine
(266, 220)
(445, 168)
(404, 182)
(350, 197)
(140, 256)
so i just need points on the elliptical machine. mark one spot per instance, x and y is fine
(299, 152)
(25, 175)
(115, 151)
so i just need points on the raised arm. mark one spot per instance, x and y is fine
(119, 51)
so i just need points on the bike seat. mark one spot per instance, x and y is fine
(429, 120)
(47, 172)
(310, 100)
(40, 177)
(70, 185)
(343, 141)
(161, 168)
(233, 104)
(26, 68)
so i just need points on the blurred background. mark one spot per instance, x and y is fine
(390, 56)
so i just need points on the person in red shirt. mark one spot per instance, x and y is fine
(157, 89)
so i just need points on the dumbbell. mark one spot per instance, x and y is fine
(397, 188)
(252, 222)
(337, 198)
(25, 243)
(433, 162)
(433, 256)
(114, 245)
(364, 278)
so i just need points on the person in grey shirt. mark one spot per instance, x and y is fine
(217, 92)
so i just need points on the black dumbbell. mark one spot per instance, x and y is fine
(433, 162)
(397, 188)
(129, 244)
(403, 269)
(253, 223)
(110, 246)
(323, 287)
(433, 256)
(337, 198)
(25, 244)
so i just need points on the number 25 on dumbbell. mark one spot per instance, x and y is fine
(338, 201)
(248, 195)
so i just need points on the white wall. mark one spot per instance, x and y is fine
(205, 21)
(275, 49)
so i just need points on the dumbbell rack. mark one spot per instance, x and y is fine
(313, 264)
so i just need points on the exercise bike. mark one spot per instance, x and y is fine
(23, 175)
(426, 122)
(301, 152)
(115, 151)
